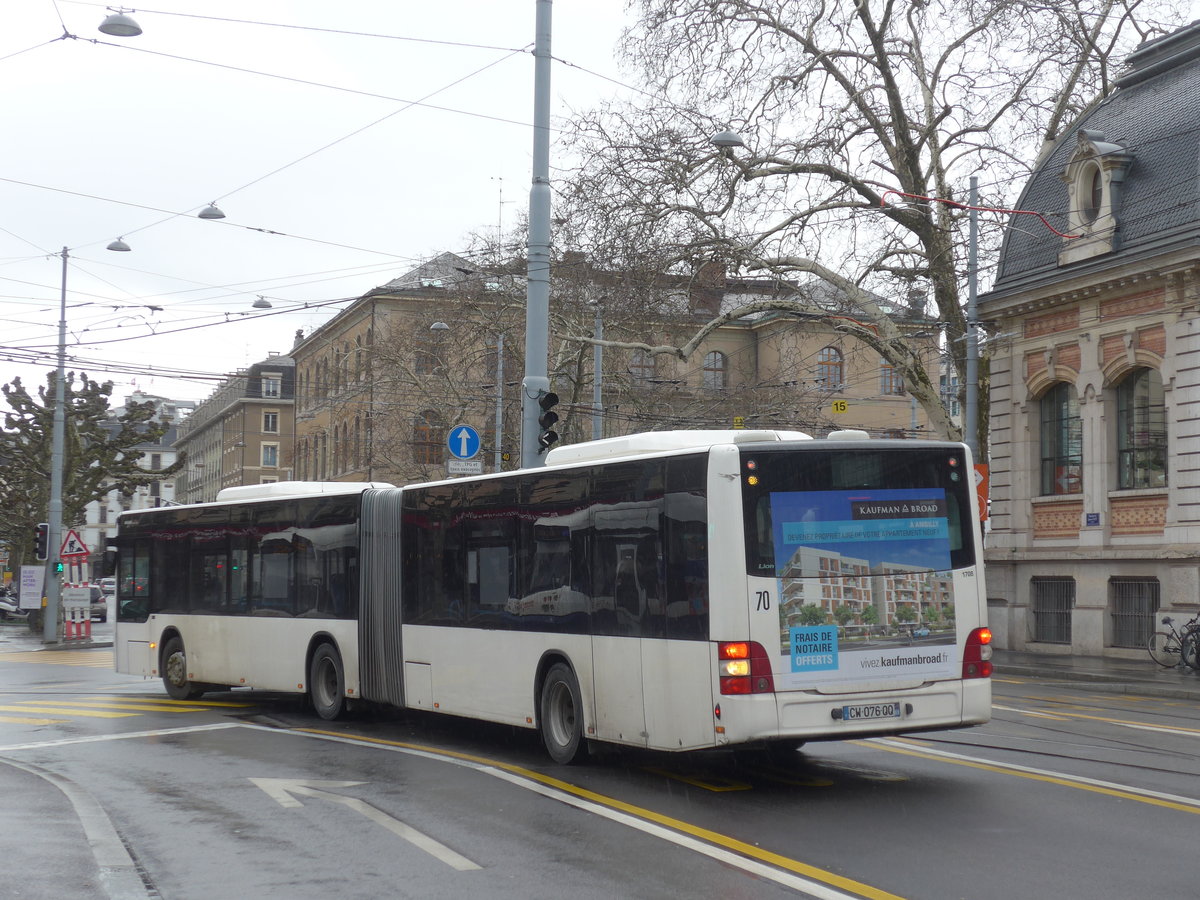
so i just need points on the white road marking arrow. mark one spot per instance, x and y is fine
(281, 790)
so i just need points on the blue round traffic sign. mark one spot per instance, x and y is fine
(463, 442)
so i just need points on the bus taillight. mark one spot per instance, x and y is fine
(745, 668)
(977, 654)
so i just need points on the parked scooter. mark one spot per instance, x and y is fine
(10, 609)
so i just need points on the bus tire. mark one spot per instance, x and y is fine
(175, 672)
(327, 683)
(560, 715)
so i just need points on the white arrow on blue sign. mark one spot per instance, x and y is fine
(463, 442)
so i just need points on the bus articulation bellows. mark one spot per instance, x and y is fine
(671, 590)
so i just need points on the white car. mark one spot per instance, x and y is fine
(108, 586)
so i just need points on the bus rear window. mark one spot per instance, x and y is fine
(863, 511)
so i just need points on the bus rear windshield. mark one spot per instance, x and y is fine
(875, 510)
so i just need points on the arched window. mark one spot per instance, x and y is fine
(641, 366)
(714, 370)
(357, 442)
(1061, 441)
(830, 369)
(1093, 197)
(429, 438)
(1141, 431)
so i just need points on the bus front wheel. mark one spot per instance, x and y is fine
(327, 683)
(175, 672)
(561, 715)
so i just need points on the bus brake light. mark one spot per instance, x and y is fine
(745, 668)
(977, 654)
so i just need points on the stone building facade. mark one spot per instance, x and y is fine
(381, 384)
(1095, 387)
(242, 433)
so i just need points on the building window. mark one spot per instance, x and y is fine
(156, 461)
(830, 369)
(270, 455)
(428, 440)
(1061, 441)
(1141, 431)
(103, 519)
(891, 382)
(641, 366)
(1052, 600)
(271, 385)
(1132, 604)
(270, 423)
(1093, 195)
(268, 479)
(715, 365)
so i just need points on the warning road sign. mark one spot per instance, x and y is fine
(73, 545)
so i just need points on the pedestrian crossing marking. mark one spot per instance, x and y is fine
(27, 720)
(97, 659)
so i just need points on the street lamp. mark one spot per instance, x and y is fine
(120, 25)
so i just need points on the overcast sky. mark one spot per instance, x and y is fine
(108, 137)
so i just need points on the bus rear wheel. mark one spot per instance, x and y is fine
(327, 683)
(560, 718)
(175, 672)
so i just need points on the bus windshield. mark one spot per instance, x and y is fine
(876, 510)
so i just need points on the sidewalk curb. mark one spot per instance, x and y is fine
(1106, 683)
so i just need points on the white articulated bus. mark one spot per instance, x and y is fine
(671, 590)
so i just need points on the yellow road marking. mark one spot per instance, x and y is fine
(145, 705)
(97, 659)
(89, 713)
(26, 720)
(1043, 777)
(716, 784)
(1029, 712)
(704, 834)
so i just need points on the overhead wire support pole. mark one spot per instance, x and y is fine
(57, 441)
(537, 303)
(971, 419)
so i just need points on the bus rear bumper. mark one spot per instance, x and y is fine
(811, 716)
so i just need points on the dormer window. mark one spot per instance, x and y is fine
(1094, 175)
(1095, 198)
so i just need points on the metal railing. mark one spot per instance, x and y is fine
(1053, 599)
(1132, 603)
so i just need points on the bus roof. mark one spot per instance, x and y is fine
(278, 490)
(661, 441)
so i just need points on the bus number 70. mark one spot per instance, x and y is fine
(764, 599)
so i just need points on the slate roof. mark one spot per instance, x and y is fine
(1155, 115)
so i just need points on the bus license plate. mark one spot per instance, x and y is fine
(871, 711)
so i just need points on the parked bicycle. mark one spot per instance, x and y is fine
(1177, 645)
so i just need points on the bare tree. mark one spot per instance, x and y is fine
(850, 114)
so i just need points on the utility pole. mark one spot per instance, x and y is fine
(537, 305)
(971, 417)
(57, 441)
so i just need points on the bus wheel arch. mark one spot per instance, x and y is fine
(560, 711)
(326, 678)
(172, 664)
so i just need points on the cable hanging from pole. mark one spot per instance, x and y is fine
(967, 206)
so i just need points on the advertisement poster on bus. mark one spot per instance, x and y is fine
(864, 585)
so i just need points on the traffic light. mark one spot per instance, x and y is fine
(41, 541)
(547, 401)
